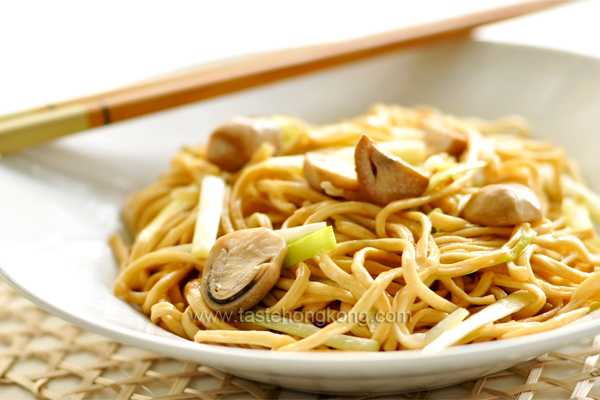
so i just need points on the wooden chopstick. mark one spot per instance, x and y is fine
(31, 127)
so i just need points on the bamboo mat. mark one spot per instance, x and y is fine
(43, 357)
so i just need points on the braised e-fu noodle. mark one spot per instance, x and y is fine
(404, 228)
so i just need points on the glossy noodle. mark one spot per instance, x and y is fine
(421, 230)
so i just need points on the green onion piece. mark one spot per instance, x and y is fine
(291, 234)
(175, 206)
(291, 327)
(210, 206)
(420, 340)
(309, 246)
(526, 237)
(442, 176)
(594, 305)
(500, 309)
(522, 243)
(452, 320)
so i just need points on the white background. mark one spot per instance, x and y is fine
(57, 50)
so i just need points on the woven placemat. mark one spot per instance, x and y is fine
(43, 357)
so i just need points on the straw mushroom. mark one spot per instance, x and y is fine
(439, 138)
(232, 144)
(384, 177)
(333, 176)
(241, 268)
(503, 204)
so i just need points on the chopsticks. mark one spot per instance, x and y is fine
(30, 127)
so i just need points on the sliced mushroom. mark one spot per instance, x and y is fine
(320, 167)
(383, 177)
(503, 204)
(439, 138)
(232, 144)
(331, 175)
(242, 267)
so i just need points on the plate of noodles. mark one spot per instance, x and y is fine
(406, 222)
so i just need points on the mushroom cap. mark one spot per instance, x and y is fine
(384, 177)
(439, 138)
(241, 268)
(232, 144)
(503, 204)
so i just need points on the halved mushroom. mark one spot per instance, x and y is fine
(320, 167)
(232, 144)
(503, 204)
(332, 176)
(384, 177)
(241, 268)
(439, 138)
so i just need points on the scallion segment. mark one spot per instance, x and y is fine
(442, 176)
(452, 320)
(500, 309)
(309, 246)
(280, 324)
(291, 234)
(524, 240)
(210, 206)
(175, 206)
(422, 339)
